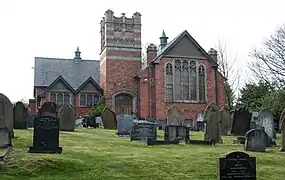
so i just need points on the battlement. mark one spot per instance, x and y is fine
(109, 17)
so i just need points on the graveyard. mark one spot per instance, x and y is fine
(99, 154)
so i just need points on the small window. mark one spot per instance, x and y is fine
(66, 98)
(83, 100)
(59, 99)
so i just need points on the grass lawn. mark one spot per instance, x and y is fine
(94, 154)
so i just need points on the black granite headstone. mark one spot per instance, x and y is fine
(237, 166)
(46, 135)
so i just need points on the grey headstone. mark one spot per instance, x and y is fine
(142, 130)
(125, 124)
(174, 132)
(266, 117)
(226, 121)
(66, 118)
(48, 109)
(5, 138)
(20, 115)
(175, 116)
(6, 114)
(256, 140)
(213, 120)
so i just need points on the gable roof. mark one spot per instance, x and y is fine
(60, 78)
(47, 70)
(174, 41)
(90, 79)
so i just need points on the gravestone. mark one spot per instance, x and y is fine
(226, 121)
(6, 114)
(188, 123)
(109, 119)
(237, 166)
(213, 119)
(256, 140)
(241, 121)
(254, 116)
(125, 124)
(5, 138)
(142, 130)
(99, 121)
(174, 132)
(46, 135)
(20, 115)
(265, 116)
(48, 109)
(175, 116)
(282, 128)
(66, 118)
(30, 121)
(200, 121)
(253, 125)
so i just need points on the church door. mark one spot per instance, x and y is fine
(123, 104)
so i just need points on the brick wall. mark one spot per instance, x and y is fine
(192, 109)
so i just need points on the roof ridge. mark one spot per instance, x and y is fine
(63, 59)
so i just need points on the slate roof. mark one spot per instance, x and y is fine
(75, 72)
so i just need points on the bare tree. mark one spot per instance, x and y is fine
(231, 74)
(268, 62)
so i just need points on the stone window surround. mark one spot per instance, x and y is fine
(63, 93)
(198, 65)
(86, 94)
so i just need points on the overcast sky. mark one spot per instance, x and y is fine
(54, 28)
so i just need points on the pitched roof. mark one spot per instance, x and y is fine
(90, 79)
(174, 41)
(60, 78)
(47, 70)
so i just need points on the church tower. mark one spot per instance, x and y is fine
(120, 61)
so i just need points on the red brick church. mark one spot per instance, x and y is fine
(178, 72)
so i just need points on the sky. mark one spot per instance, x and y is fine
(54, 28)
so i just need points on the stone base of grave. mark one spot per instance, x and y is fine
(200, 142)
(57, 150)
(151, 142)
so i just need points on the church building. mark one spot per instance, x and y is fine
(178, 72)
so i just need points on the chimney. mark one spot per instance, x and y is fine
(214, 54)
(151, 52)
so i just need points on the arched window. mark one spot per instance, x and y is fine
(185, 80)
(193, 80)
(177, 80)
(169, 82)
(182, 81)
(202, 83)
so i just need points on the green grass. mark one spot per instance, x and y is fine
(94, 154)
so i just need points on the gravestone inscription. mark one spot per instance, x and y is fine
(46, 135)
(237, 166)
(142, 130)
(5, 138)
